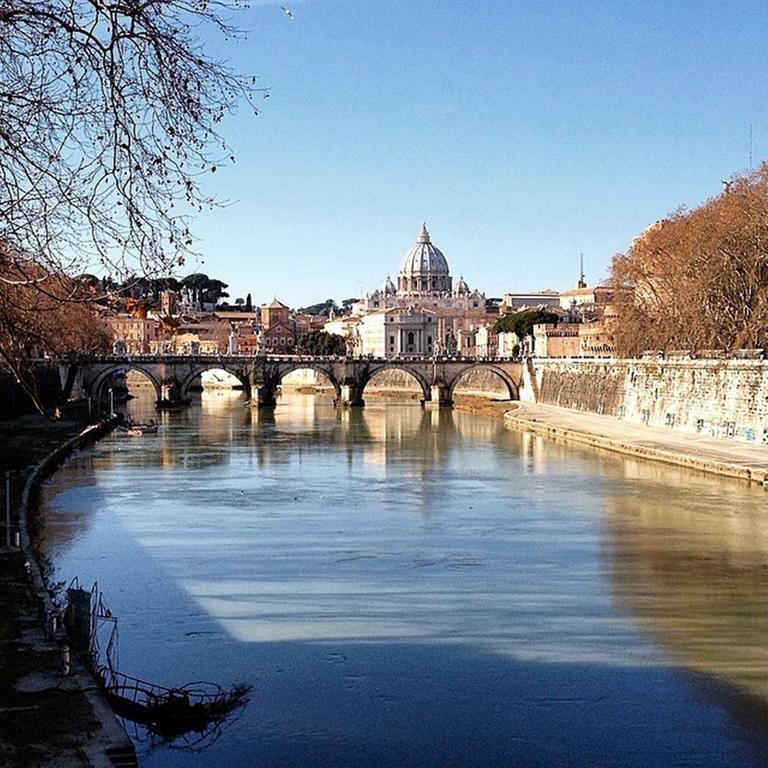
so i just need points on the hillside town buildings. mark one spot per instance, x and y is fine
(133, 335)
(174, 330)
(516, 302)
(425, 312)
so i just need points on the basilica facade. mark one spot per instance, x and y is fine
(424, 280)
(423, 314)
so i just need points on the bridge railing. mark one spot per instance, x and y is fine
(213, 357)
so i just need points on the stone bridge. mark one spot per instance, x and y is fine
(173, 376)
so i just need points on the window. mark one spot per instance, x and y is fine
(410, 337)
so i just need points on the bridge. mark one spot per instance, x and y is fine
(174, 376)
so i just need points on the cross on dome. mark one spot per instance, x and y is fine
(424, 234)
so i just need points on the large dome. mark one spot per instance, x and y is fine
(424, 268)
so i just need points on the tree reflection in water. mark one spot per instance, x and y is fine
(692, 565)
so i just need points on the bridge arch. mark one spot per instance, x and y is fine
(511, 385)
(105, 374)
(308, 365)
(214, 365)
(418, 377)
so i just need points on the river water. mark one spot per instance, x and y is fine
(404, 587)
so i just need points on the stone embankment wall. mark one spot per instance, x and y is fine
(717, 398)
(109, 744)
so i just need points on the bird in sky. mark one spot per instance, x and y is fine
(287, 12)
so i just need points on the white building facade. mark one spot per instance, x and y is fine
(423, 314)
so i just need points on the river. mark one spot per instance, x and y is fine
(405, 587)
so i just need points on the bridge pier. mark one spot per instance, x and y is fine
(170, 395)
(263, 396)
(440, 397)
(351, 396)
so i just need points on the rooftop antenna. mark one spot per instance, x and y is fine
(582, 283)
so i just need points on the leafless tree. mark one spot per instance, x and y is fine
(109, 118)
(109, 111)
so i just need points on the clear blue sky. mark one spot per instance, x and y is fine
(523, 133)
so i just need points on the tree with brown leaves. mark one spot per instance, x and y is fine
(57, 322)
(698, 280)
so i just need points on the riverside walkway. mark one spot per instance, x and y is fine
(746, 461)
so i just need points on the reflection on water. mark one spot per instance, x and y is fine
(414, 587)
(693, 567)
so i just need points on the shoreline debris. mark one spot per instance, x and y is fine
(197, 707)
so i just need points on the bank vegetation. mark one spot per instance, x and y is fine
(697, 281)
(43, 315)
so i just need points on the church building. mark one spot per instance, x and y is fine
(421, 315)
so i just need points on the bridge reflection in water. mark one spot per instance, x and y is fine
(365, 565)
